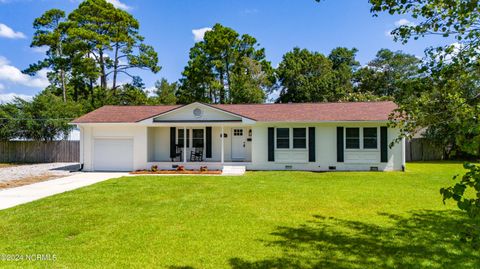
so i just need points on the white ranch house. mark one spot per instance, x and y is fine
(311, 136)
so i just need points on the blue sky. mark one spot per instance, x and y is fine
(278, 25)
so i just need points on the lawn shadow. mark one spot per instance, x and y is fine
(426, 239)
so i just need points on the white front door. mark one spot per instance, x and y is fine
(238, 144)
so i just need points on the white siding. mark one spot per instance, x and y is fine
(186, 114)
(326, 151)
(137, 133)
(153, 144)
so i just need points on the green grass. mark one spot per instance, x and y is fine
(261, 220)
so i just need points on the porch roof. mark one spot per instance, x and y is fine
(295, 112)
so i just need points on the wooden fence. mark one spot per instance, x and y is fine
(39, 152)
(420, 149)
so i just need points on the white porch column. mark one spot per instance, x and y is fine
(223, 147)
(184, 144)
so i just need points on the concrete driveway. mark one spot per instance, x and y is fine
(21, 195)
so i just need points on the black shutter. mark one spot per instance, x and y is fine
(383, 144)
(340, 144)
(208, 142)
(173, 147)
(311, 144)
(271, 144)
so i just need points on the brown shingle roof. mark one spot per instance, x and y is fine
(119, 114)
(297, 112)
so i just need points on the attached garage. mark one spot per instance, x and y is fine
(113, 154)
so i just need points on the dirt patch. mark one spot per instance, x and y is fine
(27, 181)
(5, 165)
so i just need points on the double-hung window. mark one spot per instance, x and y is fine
(299, 138)
(352, 138)
(369, 138)
(283, 138)
(181, 136)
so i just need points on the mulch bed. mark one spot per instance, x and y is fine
(174, 172)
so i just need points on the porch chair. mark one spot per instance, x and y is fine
(196, 155)
(178, 154)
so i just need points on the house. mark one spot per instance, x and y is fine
(308, 136)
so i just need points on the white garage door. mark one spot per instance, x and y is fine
(113, 155)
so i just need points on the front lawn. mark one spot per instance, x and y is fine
(261, 220)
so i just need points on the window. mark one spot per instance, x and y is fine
(369, 138)
(180, 138)
(197, 138)
(352, 140)
(283, 138)
(299, 138)
(237, 132)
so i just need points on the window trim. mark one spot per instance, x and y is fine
(360, 146)
(361, 137)
(305, 137)
(376, 138)
(290, 139)
(190, 138)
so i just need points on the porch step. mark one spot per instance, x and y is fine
(233, 170)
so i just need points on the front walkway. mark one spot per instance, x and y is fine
(21, 195)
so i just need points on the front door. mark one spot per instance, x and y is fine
(238, 144)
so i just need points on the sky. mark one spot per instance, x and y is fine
(172, 28)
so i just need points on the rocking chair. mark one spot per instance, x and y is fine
(196, 155)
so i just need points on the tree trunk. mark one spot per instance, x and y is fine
(222, 89)
(64, 89)
(227, 67)
(103, 76)
(92, 97)
(115, 67)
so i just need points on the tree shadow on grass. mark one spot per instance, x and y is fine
(426, 239)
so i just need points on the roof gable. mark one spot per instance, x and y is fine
(196, 112)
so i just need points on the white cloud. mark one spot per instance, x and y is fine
(118, 4)
(198, 34)
(41, 49)
(388, 33)
(10, 73)
(403, 22)
(8, 97)
(8, 32)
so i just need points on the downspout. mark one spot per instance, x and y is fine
(82, 147)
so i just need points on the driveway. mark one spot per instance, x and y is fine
(24, 194)
(28, 173)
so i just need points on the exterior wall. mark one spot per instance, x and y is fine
(137, 133)
(151, 146)
(326, 151)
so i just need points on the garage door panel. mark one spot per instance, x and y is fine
(113, 155)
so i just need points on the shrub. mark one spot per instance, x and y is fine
(203, 169)
(154, 168)
(180, 168)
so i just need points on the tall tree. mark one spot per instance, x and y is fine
(219, 67)
(344, 64)
(306, 76)
(50, 34)
(388, 73)
(112, 38)
(454, 98)
(94, 42)
(165, 92)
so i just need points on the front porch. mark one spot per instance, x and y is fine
(194, 146)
